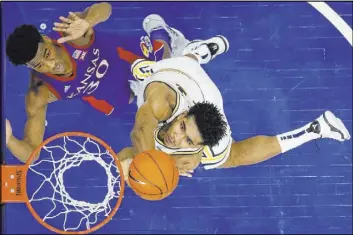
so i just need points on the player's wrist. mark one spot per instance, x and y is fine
(90, 23)
(11, 139)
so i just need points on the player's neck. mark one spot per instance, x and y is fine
(67, 59)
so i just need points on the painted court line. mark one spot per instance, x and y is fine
(335, 19)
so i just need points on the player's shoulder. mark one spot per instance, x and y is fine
(215, 156)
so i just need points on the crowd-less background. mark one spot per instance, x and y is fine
(286, 65)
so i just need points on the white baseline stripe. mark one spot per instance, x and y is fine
(335, 19)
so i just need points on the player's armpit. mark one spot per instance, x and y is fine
(155, 109)
(216, 156)
(36, 107)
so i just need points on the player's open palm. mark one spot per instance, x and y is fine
(73, 28)
(8, 131)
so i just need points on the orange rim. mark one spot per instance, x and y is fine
(117, 162)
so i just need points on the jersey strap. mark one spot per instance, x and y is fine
(212, 159)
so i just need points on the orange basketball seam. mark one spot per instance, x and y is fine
(147, 179)
(165, 180)
(150, 194)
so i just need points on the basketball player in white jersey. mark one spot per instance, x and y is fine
(180, 111)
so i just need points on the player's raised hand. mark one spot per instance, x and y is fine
(125, 164)
(187, 164)
(8, 131)
(73, 28)
(186, 173)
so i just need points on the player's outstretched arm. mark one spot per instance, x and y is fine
(78, 27)
(98, 13)
(154, 110)
(261, 148)
(36, 107)
(251, 151)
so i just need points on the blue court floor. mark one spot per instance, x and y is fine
(286, 65)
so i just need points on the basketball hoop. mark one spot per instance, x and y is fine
(40, 183)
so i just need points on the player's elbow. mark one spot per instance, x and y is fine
(32, 154)
(26, 154)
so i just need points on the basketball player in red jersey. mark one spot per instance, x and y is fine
(75, 62)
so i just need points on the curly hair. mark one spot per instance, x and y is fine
(22, 44)
(209, 121)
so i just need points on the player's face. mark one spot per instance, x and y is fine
(47, 59)
(183, 133)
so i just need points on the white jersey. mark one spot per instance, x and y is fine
(192, 85)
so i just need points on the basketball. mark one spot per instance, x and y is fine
(153, 175)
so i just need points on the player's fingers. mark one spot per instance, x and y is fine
(65, 39)
(59, 29)
(73, 15)
(127, 182)
(185, 174)
(61, 25)
(66, 20)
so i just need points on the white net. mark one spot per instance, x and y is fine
(55, 161)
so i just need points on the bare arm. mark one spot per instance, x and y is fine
(36, 108)
(98, 13)
(95, 14)
(155, 109)
(251, 151)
